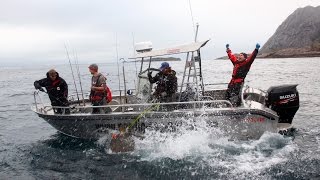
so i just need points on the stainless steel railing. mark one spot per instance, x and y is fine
(75, 108)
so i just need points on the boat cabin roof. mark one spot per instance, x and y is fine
(173, 50)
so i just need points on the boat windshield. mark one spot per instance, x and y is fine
(144, 87)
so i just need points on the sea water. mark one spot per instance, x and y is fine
(31, 149)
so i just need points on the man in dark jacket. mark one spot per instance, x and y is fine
(166, 83)
(241, 67)
(56, 88)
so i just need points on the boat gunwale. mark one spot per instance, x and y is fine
(162, 114)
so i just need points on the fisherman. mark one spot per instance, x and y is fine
(166, 83)
(56, 88)
(241, 67)
(98, 92)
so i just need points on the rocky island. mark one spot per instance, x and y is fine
(297, 36)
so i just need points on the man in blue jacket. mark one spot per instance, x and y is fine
(166, 81)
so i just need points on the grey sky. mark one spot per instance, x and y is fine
(38, 29)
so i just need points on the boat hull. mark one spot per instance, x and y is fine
(238, 123)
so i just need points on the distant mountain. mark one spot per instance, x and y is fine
(297, 36)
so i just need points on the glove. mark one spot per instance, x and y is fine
(257, 46)
(227, 46)
(37, 86)
(163, 94)
(149, 74)
(41, 89)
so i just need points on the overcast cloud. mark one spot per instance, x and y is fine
(36, 30)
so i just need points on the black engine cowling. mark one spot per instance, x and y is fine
(284, 100)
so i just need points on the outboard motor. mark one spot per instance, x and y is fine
(284, 100)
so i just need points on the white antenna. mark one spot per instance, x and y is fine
(196, 35)
(134, 52)
(192, 17)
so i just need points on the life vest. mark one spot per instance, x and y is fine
(241, 69)
(98, 95)
(109, 95)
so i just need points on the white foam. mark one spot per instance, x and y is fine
(208, 147)
(193, 137)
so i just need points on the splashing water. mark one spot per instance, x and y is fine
(209, 148)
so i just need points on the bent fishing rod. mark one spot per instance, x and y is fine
(74, 81)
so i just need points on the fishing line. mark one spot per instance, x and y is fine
(152, 107)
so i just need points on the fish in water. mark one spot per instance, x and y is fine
(122, 142)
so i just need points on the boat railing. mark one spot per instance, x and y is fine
(215, 84)
(74, 96)
(249, 93)
(75, 108)
(116, 93)
(39, 105)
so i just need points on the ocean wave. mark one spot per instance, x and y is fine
(20, 94)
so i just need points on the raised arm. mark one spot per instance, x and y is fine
(40, 83)
(253, 55)
(232, 57)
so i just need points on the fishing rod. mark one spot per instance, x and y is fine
(118, 65)
(74, 81)
(134, 52)
(78, 70)
(124, 80)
